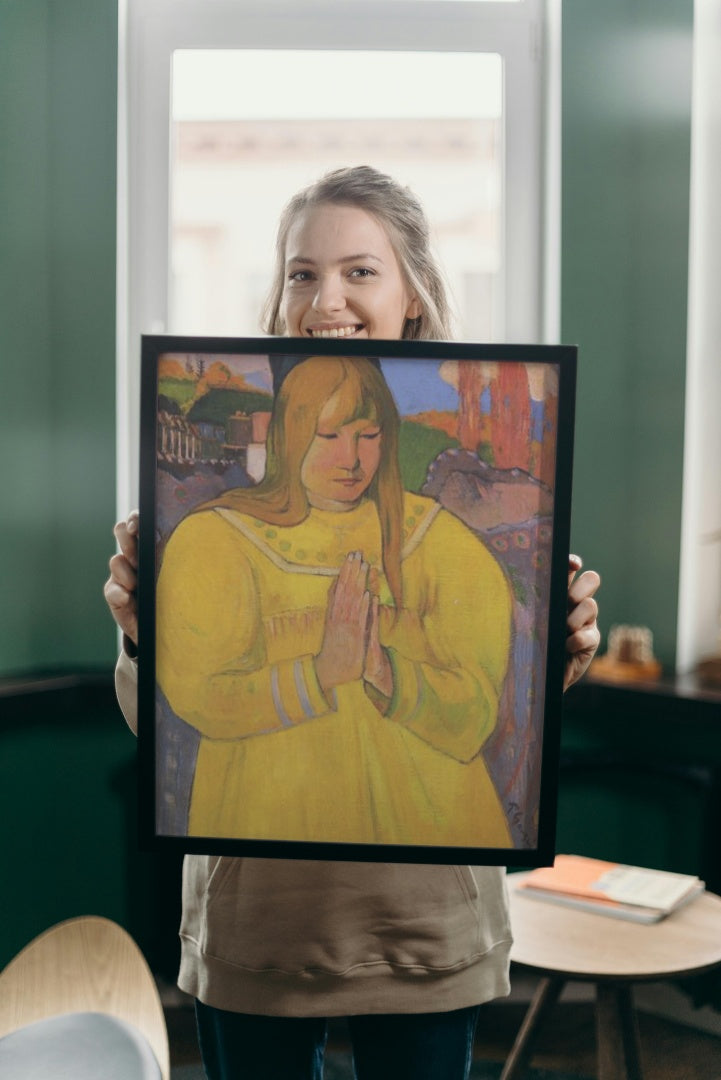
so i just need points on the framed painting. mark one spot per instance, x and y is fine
(352, 597)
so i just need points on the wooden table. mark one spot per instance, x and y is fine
(562, 944)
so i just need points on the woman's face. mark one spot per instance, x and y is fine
(341, 461)
(342, 277)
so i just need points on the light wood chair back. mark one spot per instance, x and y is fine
(87, 964)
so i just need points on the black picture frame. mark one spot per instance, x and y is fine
(206, 403)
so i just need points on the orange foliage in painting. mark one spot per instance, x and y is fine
(506, 428)
(170, 368)
(471, 428)
(442, 421)
(511, 418)
(217, 376)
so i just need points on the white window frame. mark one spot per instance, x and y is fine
(699, 597)
(526, 34)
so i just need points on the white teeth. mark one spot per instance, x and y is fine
(335, 332)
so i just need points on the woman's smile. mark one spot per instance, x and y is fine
(335, 331)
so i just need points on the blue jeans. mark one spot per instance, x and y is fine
(414, 1046)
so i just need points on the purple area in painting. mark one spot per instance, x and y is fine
(494, 503)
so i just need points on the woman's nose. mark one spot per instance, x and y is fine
(329, 296)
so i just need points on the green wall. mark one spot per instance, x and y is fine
(58, 72)
(626, 145)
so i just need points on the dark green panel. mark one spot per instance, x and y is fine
(82, 204)
(626, 144)
(58, 75)
(641, 777)
(68, 785)
(61, 784)
(25, 391)
(631, 818)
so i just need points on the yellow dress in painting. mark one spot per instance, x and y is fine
(241, 609)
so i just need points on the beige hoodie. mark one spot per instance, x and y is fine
(283, 937)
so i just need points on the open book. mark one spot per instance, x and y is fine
(608, 888)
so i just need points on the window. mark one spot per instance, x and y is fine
(226, 104)
(235, 161)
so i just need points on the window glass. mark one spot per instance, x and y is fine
(238, 154)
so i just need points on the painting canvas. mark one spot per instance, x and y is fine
(352, 597)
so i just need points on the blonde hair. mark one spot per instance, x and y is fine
(401, 214)
(360, 391)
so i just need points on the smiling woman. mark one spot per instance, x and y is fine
(353, 259)
(339, 260)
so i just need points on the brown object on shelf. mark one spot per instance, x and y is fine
(708, 671)
(605, 667)
(630, 656)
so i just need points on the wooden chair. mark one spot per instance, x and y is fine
(83, 984)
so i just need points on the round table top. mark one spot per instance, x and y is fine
(559, 940)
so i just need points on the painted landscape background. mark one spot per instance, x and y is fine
(506, 413)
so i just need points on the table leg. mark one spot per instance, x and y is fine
(617, 1033)
(545, 997)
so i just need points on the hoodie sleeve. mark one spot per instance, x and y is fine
(126, 689)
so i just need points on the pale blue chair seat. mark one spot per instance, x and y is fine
(78, 1046)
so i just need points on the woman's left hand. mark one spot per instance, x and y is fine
(582, 633)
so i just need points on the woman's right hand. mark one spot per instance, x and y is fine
(121, 587)
(343, 652)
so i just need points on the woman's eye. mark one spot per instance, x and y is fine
(325, 435)
(362, 272)
(300, 276)
(371, 434)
